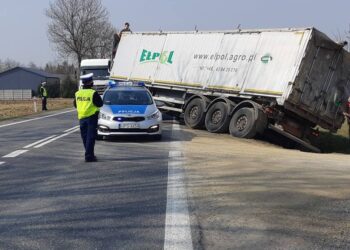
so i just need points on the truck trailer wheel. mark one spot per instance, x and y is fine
(217, 118)
(242, 124)
(194, 113)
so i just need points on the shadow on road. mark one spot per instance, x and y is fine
(187, 136)
(166, 134)
(326, 142)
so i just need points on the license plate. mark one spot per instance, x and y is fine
(129, 125)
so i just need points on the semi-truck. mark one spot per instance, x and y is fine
(244, 82)
(100, 68)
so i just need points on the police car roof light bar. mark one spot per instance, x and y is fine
(127, 84)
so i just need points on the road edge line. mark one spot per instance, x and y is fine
(15, 153)
(56, 138)
(177, 220)
(34, 119)
(67, 130)
(39, 141)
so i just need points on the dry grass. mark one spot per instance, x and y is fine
(12, 109)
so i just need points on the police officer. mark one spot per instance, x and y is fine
(43, 94)
(88, 101)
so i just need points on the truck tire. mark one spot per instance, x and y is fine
(217, 118)
(194, 113)
(242, 124)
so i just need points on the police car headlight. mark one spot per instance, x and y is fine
(104, 116)
(153, 116)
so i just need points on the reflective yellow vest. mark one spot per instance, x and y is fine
(44, 91)
(85, 105)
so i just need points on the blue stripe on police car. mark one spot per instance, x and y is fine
(128, 109)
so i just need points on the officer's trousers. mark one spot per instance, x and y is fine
(88, 131)
(43, 102)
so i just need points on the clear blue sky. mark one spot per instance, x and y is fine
(23, 23)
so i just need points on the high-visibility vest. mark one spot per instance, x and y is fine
(44, 91)
(85, 105)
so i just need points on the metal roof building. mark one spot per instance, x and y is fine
(26, 78)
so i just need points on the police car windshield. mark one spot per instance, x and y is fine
(127, 97)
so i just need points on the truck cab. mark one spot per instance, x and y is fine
(100, 69)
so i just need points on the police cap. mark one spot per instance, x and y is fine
(87, 79)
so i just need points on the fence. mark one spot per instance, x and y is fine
(15, 94)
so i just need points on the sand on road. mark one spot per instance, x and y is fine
(249, 194)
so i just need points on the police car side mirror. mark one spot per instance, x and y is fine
(159, 104)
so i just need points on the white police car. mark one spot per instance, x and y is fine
(129, 109)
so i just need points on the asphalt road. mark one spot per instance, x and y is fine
(51, 199)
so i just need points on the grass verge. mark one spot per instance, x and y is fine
(12, 109)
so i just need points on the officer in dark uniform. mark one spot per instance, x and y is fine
(126, 29)
(117, 38)
(88, 101)
(43, 94)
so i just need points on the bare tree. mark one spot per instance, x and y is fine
(80, 28)
(32, 65)
(63, 68)
(8, 64)
(340, 37)
(347, 36)
(102, 47)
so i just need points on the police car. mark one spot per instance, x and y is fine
(129, 109)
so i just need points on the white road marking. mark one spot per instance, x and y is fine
(56, 138)
(34, 119)
(67, 130)
(2, 162)
(15, 153)
(174, 154)
(37, 142)
(177, 221)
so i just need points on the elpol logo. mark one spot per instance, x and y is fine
(165, 57)
(266, 58)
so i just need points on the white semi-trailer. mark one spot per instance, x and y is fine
(242, 81)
